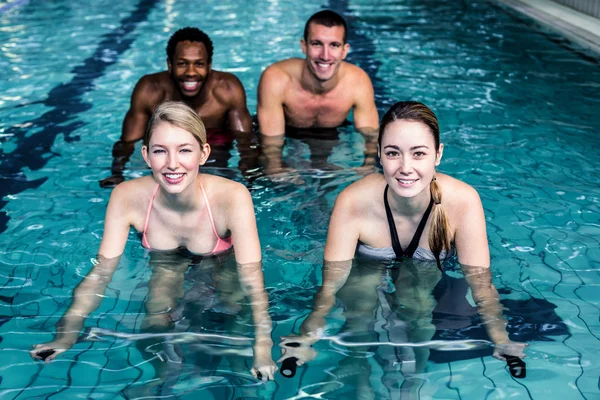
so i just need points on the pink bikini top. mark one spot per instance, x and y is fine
(220, 246)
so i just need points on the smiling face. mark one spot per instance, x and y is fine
(189, 67)
(325, 50)
(409, 157)
(174, 155)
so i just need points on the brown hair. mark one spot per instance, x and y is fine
(177, 114)
(439, 232)
(326, 18)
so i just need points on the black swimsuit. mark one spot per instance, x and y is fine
(414, 243)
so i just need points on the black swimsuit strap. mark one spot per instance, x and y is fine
(414, 243)
(393, 232)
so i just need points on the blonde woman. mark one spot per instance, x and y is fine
(176, 208)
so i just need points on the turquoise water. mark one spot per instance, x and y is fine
(518, 109)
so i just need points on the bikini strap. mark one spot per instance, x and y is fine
(414, 243)
(144, 240)
(210, 216)
(393, 232)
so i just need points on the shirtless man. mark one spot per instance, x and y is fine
(318, 91)
(218, 97)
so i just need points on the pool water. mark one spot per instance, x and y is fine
(518, 108)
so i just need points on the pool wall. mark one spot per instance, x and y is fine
(576, 20)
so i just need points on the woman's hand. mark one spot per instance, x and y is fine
(299, 347)
(509, 348)
(49, 351)
(263, 367)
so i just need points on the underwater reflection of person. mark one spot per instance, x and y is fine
(207, 314)
(320, 141)
(391, 303)
(177, 207)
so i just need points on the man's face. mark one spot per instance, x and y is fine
(324, 49)
(190, 67)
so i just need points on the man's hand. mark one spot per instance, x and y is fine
(111, 181)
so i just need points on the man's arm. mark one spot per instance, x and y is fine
(143, 100)
(366, 118)
(271, 88)
(238, 116)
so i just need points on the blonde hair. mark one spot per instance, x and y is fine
(177, 114)
(439, 231)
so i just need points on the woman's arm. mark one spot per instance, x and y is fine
(88, 295)
(343, 232)
(474, 256)
(470, 237)
(342, 238)
(117, 220)
(246, 244)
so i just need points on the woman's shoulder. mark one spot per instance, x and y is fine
(456, 193)
(369, 182)
(226, 190)
(362, 192)
(133, 192)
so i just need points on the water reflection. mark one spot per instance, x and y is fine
(283, 156)
(200, 312)
(388, 314)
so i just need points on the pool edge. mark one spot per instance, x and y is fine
(576, 26)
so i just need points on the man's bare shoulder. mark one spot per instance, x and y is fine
(355, 75)
(152, 89)
(286, 69)
(225, 82)
(153, 82)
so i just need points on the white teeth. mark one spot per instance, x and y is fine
(190, 85)
(320, 65)
(173, 176)
(406, 182)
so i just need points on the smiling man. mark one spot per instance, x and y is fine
(218, 97)
(320, 90)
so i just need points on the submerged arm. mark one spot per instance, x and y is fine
(244, 233)
(489, 308)
(335, 274)
(87, 296)
(474, 257)
(366, 118)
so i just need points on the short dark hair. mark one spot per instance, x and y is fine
(192, 35)
(326, 18)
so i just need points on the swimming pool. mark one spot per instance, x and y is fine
(518, 109)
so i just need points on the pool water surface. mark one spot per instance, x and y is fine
(518, 112)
